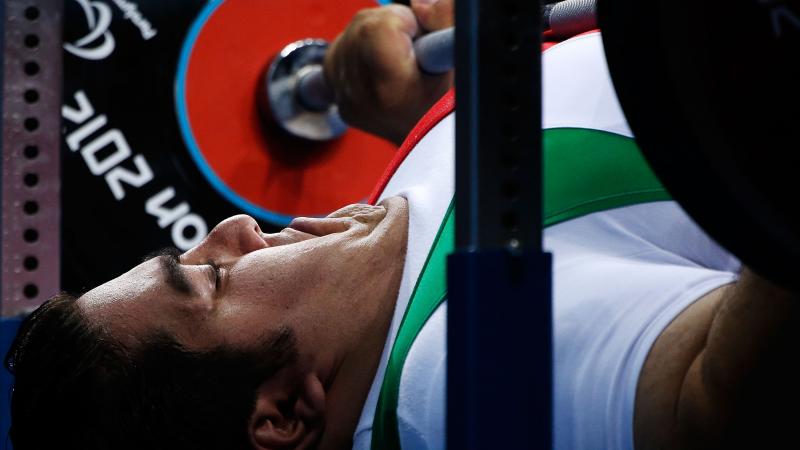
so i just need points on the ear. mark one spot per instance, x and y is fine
(289, 412)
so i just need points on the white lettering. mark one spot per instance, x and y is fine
(187, 230)
(116, 176)
(780, 14)
(783, 14)
(121, 151)
(84, 111)
(131, 12)
(98, 43)
(190, 221)
(166, 216)
(75, 138)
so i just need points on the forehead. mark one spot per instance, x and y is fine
(133, 304)
(137, 282)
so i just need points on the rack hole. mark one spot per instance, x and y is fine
(512, 103)
(510, 132)
(31, 13)
(31, 235)
(512, 11)
(31, 151)
(510, 221)
(31, 41)
(31, 96)
(510, 160)
(30, 263)
(30, 290)
(31, 68)
(512, 42)
(31, 124)
(30, 179)
(511, 191)
(31, 207)
(511, 72)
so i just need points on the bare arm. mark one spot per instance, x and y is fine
(721, 375)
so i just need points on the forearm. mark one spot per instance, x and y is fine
(745, 370)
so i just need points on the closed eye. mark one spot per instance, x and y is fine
(217, 273)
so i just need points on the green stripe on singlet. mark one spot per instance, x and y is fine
(585, 171)
(428, 294)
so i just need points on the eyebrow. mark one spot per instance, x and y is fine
(169, 259)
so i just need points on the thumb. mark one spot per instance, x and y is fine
(433, 15)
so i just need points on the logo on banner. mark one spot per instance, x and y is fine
(99, 42)
(781, 16)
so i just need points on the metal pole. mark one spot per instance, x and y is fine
(31, 145)
(30, 102)
(499, 305)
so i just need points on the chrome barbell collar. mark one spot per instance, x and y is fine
(288, 110)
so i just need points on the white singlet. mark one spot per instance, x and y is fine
(620, 277)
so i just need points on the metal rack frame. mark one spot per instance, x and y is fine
(499, 330)
(30, 172)
(499, 385)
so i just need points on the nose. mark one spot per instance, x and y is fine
(232, 238)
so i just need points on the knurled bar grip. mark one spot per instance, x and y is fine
(572, 17)
(30, 252)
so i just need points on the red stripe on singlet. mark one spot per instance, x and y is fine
(439, 111)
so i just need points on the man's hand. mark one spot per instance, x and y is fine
(373, 71)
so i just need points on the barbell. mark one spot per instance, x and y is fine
(185, 100)
(297, 97)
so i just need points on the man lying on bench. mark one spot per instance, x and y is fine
(282, 341)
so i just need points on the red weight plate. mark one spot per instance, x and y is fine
(258, 168)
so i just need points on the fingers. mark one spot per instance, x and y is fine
(402, 17)
(370, 66)
(285, 237)
(385, 43)
(434, 15)
(374, 73)
(358, 210)
(355, 217)
(320, 226)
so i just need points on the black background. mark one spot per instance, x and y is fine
(134, 88)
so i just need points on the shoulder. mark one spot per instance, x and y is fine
(620, 278)
(663, 374)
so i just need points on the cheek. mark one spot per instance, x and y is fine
(253, 296)
(287, 273)
(278, 282)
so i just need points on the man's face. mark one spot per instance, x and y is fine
(240, 284)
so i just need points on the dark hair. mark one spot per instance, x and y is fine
(76, 387)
